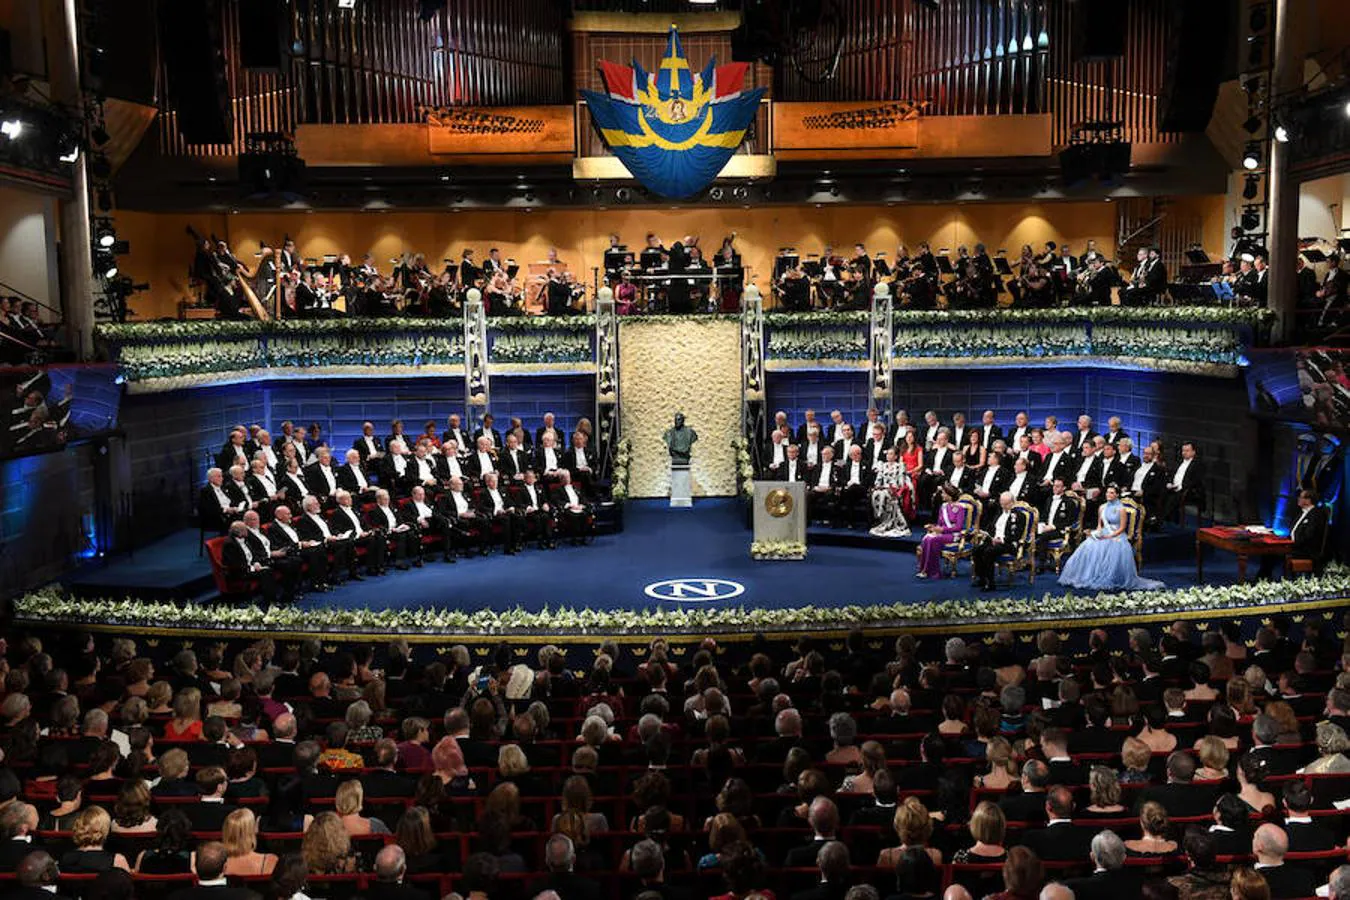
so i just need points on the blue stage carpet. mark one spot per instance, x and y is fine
(709, 541)
(657, 544)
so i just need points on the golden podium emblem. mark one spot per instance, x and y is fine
(778, 503)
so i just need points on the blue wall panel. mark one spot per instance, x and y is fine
(796, 392)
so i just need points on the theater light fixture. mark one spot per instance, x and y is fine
(1252, 125)
(1251, 159)
(1251, 218)
(1281, 134)
(11, 128)
(1249, 190)
(346, 4)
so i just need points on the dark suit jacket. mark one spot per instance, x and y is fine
(1309, 837)
(208, 506)
(1023, 807)
(12, 853)
(805, 473)
(826, 891)
(803, 856)
(496, 438)
(513, 464)
(346, 479)
(1061, 841)
(316, 481)
(1289, 880)
(383, 783)
(197, 892)
(234, 561)
(384, 890)
(1066, 516)
(568, 886)
(207, 816)
(1122, 884)
(359, 445)
(561, 443)
(1310, 536)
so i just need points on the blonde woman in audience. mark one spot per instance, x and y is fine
(1332, 745)
(1002, 772)
(1155, 828)
(1287, 722)
(987, 827)
(914, 827)
(186, 724)
(1135, 754)
(1103, 794)
(1213, 757)
(89, 833)
(327, 847)
(239, 834)
(347, 803)
(158, 699)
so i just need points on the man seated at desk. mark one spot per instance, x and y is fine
(1308, 534)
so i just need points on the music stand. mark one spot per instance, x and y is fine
(813, 267)
(512, 269)
(1197, 257)
(1344, 245)
(650, 258)
(1001, 266)
(1313, 255)
(944, 265)
(1223, 291)
(614, 258)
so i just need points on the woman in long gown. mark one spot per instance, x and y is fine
(1105, 559)
(889, 485)
(951, 518)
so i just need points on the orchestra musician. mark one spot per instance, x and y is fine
(1149, 279)
(795, 290)
(1097, 280)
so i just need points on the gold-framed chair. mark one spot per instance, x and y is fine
(1056, 549)
(1023, 554)
(1133, 516)
(963, 542)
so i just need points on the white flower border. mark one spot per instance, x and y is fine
(51, 605)
(777, 550)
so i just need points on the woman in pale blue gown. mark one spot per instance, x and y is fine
(1105, 559)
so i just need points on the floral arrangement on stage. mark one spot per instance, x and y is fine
(1203, 345)
(777, 550)
(745, 467)
(533, 347)
(52, 605)
(534, 324)
(623, 454)
(688, 364)
(973, 341)
(808, 342)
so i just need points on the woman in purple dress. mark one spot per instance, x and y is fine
(951, 518)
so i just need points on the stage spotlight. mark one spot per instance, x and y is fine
(1259, 18)
(1347, 109)
(11, 128)
(1252, 84)
(99, 166)
(1249, 189)
(99, 135)
(1251, 159)
(105, 235)
(1252, 125)
(1251, 218)
(1256, 50)
(346, 4)
(104, 198)
(1281, 134)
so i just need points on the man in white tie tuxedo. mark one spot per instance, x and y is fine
(399, 536)
(453, 430)
(1308, 534)
(422, 468)
(513, 461)
(275, 556)
(457, 509)
(321, 477)
(312, 526)
(578, 460)
(549, 459)
(368, 445)
(496, 511)
(266, 449)
(989, 432)
(536, 513)
(484, 458)
(352, 478)
(931, 428)
(1021, 426)
(1186, 482)
(218, 504)
(549, 427)
(313, 556)
(1008, 529)
(776, 452)
(263, 490)
(426, 520)
(791, 469)
(836, 429)
(574, 513)
(347, 521)
(244, 564)
(1059, 515)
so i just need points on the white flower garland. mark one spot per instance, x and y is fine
(52, 605)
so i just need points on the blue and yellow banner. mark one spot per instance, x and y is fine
(673, 130)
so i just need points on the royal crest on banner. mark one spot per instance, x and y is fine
(673, 130)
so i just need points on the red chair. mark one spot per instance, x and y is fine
(215, 549)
